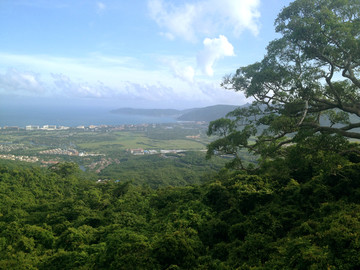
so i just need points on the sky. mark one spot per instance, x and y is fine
(139, 53)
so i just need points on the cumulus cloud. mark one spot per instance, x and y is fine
(239, 14)
(178, 20)
(19, 81)
(65, 85)
(156, 88)
(216, 95)
(188, 20)
(214, 49)
(187, 73)
(150, 92)
(184, 73)
(125, 89)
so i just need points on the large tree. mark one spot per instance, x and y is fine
(308, 83)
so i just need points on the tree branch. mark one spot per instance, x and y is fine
(342, 131)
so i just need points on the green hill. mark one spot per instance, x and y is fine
(207, 114)
(288, 217)
(148, 112)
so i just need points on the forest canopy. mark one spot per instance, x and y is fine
(307, 83)
(299, 209)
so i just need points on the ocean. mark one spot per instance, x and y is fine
(70, 116)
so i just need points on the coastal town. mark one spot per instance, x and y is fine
(130, 127)
(80, 127)
(88, 145)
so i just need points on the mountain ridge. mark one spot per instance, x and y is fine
(207, 114)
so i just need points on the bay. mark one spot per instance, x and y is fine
(70, 116)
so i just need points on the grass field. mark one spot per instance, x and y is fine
(106, 142)
(128, 140)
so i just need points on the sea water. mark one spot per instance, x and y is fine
(70, 116)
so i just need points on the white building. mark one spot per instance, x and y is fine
(49, 127)
(30, 127)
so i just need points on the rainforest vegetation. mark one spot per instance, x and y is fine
(297, 207)
(300, 212)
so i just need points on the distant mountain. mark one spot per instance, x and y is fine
(149, 112)
(207, 114)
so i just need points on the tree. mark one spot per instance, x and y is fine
(308, 82)
(66, 169)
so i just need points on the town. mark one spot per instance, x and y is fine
(129, 127)
(97, 147)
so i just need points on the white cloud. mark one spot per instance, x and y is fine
(17, 81)
(239, 14)
(189, 20)
(201, 93)
(65, 85)
(167, 35)
(185, 73)
(214, 49)
(178, 20)
(96, 67)
(216, 95)
(128, 89)
(181, 67)
(100, 7)
(150, 92)
(116, 79)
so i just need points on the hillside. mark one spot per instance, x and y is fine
(207, 114)
(148, 112)
(57, 218)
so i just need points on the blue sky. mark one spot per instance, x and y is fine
(140, 53)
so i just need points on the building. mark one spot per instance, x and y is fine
(14, 128)
(31, 127)
(151, 152)
(72, 152)
(193, 137)
(49, 127)
(171, 151)
(137, 151)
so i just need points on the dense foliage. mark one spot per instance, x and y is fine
(307, 83)
(163, 170)
(299, 209)
(290, 215)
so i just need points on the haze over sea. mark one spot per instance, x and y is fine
(70, 116)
